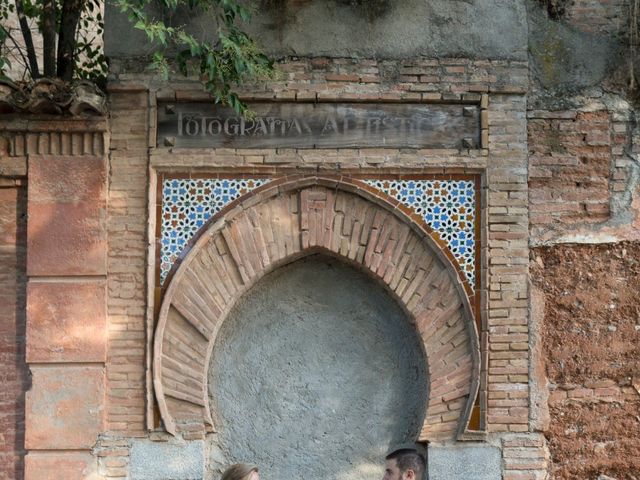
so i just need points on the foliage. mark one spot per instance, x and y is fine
(232, 59)
(6, 40)
(223, 63)
(91, 63)
(71, 32)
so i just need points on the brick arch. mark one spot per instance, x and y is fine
(280, 223)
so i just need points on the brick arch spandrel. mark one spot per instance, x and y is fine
(281, 223)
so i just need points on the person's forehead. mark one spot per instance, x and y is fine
(392, 462)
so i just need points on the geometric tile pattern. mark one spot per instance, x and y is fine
(447, 206)
(187, 204)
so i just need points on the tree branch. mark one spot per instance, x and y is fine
(18, 47)
(28, 40)
(49, 37)
(71, 11)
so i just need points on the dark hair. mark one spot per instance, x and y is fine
(239, 471)
(409, 459)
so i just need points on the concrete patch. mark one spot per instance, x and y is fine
(465, 462)
(167, 460)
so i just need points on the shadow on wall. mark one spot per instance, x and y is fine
(314, 374)
(13, 368)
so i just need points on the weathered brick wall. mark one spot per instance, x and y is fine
(503, 299)
(127, 233)
(569, 168)
(14, 376)
(582, 173)
(610, 17)
(591, 347)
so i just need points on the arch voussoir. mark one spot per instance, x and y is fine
(281, 223)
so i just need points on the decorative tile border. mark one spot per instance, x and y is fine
(447, 206)
(187, 204)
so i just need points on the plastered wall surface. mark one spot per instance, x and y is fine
(487, 29)
(316, 372)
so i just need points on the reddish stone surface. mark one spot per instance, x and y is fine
(13, 370)
(66, 239)
(67, 216)
(66, 322)
(65, 407)
(591, 344)
(66, 179)
(60, 466)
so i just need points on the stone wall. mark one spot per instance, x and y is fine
(590, 336)
(65, 292)
(585, 211)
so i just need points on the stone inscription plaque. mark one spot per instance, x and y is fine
(320, 125)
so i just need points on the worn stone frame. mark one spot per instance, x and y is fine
(475, 425)
(477, 163)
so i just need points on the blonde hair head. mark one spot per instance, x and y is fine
(239, 471)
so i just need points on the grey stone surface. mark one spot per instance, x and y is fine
(469, 28)
(465, 462)
(166, 460)
(314, 374)
(566, 59)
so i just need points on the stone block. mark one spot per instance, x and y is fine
(65, 407)
(465, 462)
(61, 466)
(66, 239)
(66, 179)
(66, 322)
(166, 460)
(67, 215)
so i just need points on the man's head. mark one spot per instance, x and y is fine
(404, 464)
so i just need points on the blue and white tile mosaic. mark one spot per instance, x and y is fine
(448, 207)
(187, 204)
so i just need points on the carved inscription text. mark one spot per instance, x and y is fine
(320, 125)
